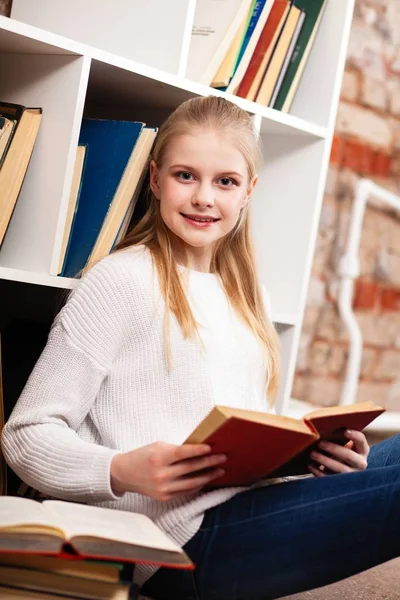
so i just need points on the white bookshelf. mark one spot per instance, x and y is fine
(138, 72)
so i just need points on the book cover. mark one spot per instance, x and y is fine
(260, 445)
(110, 145)
(314, 10)
(125, 198)
(255, 15)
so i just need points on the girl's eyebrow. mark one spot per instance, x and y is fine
(189, 168)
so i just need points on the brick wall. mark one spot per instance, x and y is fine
(366, 143)
(5, 7)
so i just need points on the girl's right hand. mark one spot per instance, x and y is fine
(165, 471)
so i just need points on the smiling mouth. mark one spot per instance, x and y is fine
(200, 219)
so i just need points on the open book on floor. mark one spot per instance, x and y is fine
(55, 527)
(260, 445)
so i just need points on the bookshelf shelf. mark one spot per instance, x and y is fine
(106, 72)
(37, 278)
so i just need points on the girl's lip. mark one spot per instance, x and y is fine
(200, 216)
(200, 224)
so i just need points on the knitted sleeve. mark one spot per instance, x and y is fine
(39, 441)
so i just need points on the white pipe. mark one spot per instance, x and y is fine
(349, 269)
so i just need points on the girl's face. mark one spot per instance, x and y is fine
(202, 185)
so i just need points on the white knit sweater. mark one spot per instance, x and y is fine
(102, 386)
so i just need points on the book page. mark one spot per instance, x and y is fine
(23, 513)
(328, 411)
(80, 520)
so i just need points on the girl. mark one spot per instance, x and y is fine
(156, 334)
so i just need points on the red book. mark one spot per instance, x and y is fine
(258, 444)
(264, 49)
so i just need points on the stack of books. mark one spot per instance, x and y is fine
(255, 49)
(110, 168)
(56, 550)
(19, 127)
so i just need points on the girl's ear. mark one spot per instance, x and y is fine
(154, 179)
(249, 191)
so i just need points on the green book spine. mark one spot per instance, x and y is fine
(312, 8)
(252, 6)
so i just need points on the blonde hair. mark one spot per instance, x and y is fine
(233, 258)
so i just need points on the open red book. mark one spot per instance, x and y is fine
(260, 445)
(53, 527)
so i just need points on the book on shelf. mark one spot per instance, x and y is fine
(73, 202)
(227, 67)
(252, 78)
(314, 10)
(216, 23)
(16, 157)
(58, 528)
(262, 55)
(278, 57)
(260, 445)
(254, 32)
(120, 212)
(287, 58)
(7, 127)
(117, 152)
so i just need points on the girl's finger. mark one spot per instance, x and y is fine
(195, 464)
(188, 484)
(344, 454)
(177, 453)
(330, 463)
(315, 471)
(359, 440)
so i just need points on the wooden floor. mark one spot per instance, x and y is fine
(379, 583)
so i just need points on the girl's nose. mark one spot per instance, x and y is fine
(204, 197)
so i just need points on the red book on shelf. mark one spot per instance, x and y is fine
(263, 51)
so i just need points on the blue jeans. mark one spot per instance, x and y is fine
(278, 540)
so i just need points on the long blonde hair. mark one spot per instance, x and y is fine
(233, 258)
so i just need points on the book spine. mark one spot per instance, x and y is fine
(262, 47)
(313, 12)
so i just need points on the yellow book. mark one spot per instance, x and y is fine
(271, 76)
(54, 583)
(224, 73)
(13, 170)
(72, 203)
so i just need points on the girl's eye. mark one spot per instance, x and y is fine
(227, 182)
(185, 175)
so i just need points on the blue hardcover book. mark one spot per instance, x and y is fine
(258, 8)
(110, 145)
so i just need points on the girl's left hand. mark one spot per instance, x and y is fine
(343, 459)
